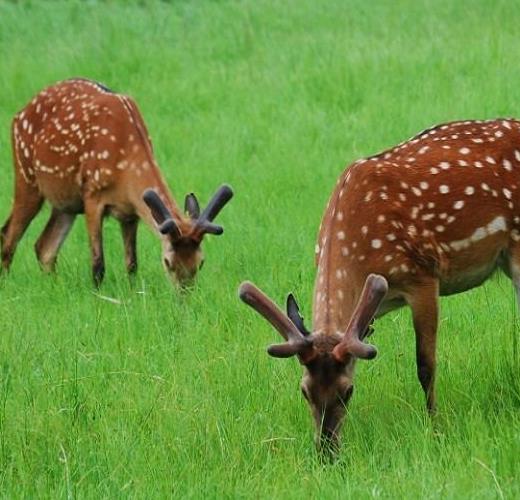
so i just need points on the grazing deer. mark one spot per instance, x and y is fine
(435, 215)
(86, 149)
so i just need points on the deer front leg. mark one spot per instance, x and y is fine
(424, 302)
(129, 232)
(52, 237)
(94, 212)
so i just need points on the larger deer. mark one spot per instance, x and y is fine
(435, 215)
(86, 149)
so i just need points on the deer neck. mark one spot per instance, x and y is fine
(151, 178)
(335, 287)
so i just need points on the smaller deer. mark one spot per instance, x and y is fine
(435, 215)
(86, 149)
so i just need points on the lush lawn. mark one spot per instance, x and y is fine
(170, 394)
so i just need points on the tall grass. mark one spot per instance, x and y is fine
(168, 394)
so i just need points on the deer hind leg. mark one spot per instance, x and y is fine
(512, 268)
(52, 237)
(424, 302)
(94, 212)
(27, 203)
(129, 232)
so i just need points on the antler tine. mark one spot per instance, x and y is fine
(216, 204)
(160, 213)
(263, 305)
(209, 227)
(371, 297)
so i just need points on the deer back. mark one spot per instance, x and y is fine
(444, 203)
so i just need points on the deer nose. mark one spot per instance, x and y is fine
(328, 444)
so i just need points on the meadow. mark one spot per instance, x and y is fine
(156, 393)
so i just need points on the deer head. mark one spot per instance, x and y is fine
(328, 360)
(182, 254)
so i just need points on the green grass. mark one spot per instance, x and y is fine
(168, 394)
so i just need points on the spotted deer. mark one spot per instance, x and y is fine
(86, 149)
(435, 215)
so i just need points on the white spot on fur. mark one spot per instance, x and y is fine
(458, 204)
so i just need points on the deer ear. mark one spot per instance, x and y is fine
(293, 311)
(191, 206)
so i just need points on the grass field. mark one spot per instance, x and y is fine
(169, 394)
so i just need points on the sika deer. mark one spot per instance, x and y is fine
(86, 149)
(435, 215)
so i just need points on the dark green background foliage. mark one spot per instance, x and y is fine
(169, 394)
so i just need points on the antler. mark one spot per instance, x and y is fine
(296, 343)
(161, 214)
(203, 221)
(215, 205)
(352, 343)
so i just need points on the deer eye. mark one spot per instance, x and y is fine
(347, 394)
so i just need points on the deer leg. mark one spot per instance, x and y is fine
(424, 302)
(52, 237)
(129, 232)
(94, 212)
(512, 269)
(27, 203)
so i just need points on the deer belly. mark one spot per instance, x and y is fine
(62, 193)
(464, 276)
